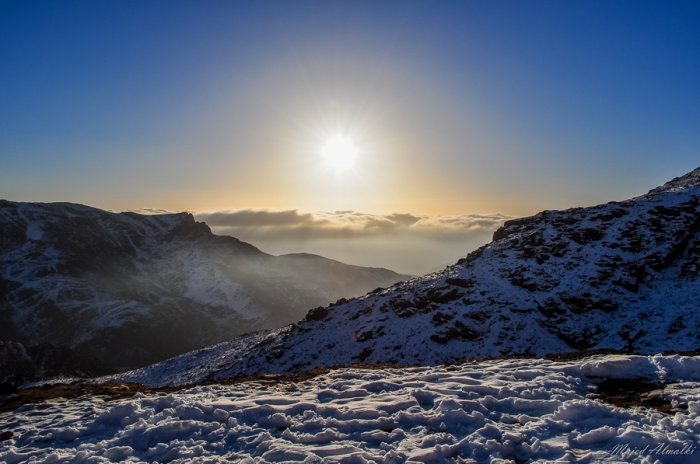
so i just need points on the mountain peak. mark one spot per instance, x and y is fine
(679, 184)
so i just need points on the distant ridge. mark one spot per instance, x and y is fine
(121, 290)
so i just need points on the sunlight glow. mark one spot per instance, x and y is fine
(339, 152)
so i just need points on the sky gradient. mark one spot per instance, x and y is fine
(457, 108)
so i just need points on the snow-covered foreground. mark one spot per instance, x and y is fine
(524, 410)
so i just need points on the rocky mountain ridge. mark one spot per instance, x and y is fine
(128, 289)
(621, 276)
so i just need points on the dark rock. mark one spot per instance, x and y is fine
(7, 388)
(519, 278)
(676, 326)
(610, 215)
(585, 236)
(440, 296)
(402, 307)
(463, 283)
(364, 354)
(457, 331)
(581, 340)
(317, 314)
(514, 225)
(440, 318)
(583, 304)
(471, 257)
(361, 312)
(481, 316)
(364, 336)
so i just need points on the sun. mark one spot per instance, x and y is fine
(339, 152)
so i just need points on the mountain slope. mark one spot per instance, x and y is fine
(130, 289)
(622, 276)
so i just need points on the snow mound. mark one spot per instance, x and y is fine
(518, 410)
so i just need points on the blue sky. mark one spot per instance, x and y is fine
(456, 107)
(598, 96)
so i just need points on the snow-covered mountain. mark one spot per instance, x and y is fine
(129, 289)
(621, 276)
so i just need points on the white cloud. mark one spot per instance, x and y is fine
(292, 224)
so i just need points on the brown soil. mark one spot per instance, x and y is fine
(70, 390)
(626, 393)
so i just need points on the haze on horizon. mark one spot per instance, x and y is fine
(443, 119)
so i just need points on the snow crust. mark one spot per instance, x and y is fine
(516, 410)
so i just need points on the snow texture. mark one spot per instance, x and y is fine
(506, 411)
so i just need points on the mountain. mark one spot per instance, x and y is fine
(622, 276)
(126, 289)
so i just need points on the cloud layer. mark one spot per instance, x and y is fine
(293, 225)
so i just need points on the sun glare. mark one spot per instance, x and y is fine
(339, 152)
